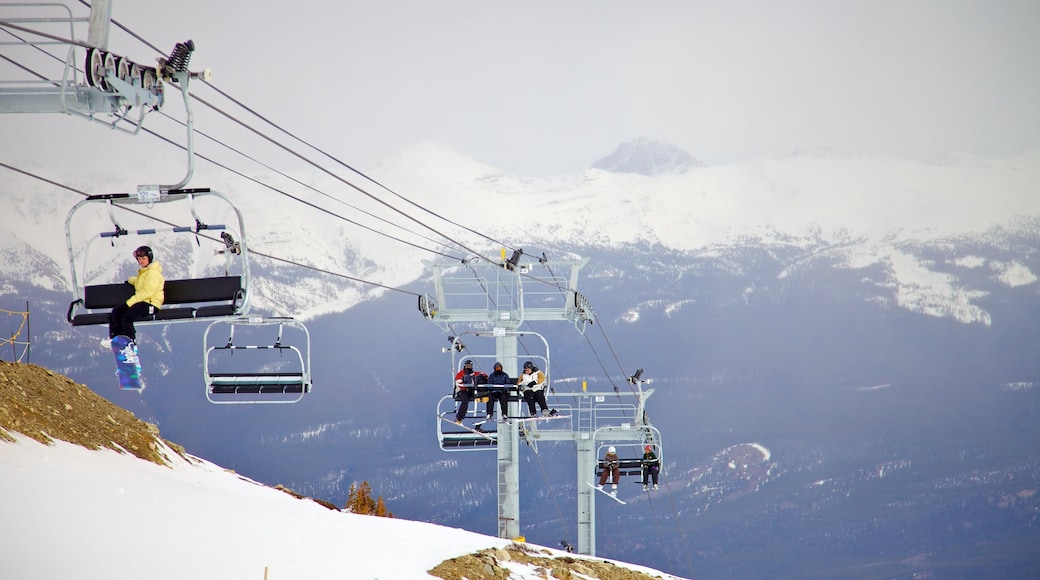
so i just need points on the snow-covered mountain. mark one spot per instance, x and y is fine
(858, 211)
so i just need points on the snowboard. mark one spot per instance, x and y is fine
(128, 364)
(470, 429)
(612, 496)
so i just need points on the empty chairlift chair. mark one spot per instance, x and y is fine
(257, 364)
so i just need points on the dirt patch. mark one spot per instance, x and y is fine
(44, 405)
(491, 565)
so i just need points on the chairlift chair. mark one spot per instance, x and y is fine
(272, 371)
(457, 438)
(630, 463)
(186, 300)
(451, 437)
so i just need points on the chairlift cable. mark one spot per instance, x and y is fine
(337, 177)
(351, 168)
(291, 196)
(310, 187)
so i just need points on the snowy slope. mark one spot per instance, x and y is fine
(116, 516)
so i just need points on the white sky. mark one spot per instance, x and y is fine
(73, 513)
(547, 87)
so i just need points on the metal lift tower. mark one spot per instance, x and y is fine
(504, 296)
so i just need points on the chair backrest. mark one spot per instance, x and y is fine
(106, 295)
(217, 289)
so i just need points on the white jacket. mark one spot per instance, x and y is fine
(532, 382)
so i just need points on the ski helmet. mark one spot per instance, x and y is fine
(144, 251)
(611, 449)
(528, 365)
(468, 364)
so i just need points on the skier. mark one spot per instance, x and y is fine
(498, 390)
(466, 381)
(532, 384)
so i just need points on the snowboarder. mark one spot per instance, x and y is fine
(148, 297)
(611, 469)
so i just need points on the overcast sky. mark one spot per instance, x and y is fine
(547, 87)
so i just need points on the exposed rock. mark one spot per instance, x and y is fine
(645, 157)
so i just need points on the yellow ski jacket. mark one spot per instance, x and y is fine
(148, 286)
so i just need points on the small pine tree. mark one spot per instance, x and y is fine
(359, 501)
(381, 509)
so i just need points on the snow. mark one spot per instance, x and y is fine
(766, 453)
(70, 512)
(1014, 273)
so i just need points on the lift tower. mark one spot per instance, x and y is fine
(488, 293)
(505, 295)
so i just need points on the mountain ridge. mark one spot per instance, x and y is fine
(884, 206)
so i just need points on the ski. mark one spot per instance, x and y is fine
(539, 418)
(470, 429)
(612, 496)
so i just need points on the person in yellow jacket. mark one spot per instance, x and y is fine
(148, 297)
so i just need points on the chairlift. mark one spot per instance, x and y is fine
(452, 437)
(255, 367)
(186, 299)
(630, 455)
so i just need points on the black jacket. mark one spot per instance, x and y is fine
(499, 379)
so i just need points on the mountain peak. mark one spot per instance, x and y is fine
(646, 157)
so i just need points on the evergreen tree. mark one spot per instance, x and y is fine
(359, 501)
